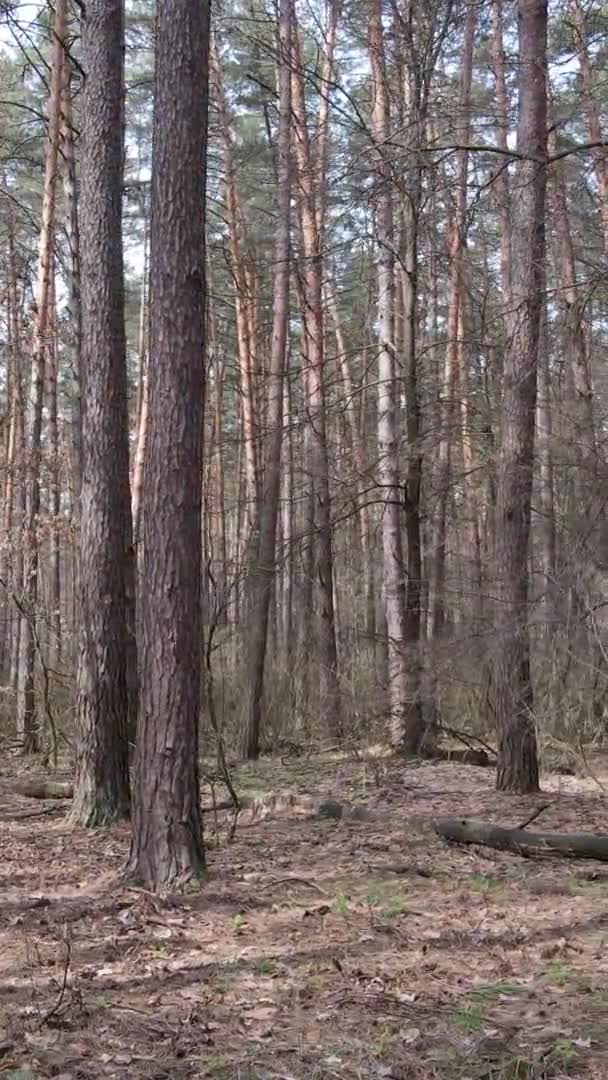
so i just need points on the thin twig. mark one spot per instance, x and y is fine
(539, 810)
(295, 881)
(44, 1019)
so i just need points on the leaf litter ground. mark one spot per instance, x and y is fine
(318, 949)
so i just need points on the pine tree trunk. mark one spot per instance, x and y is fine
(512, 684)
(264, 569)
(101, 791)
(167, 842)
(27, 721)
(52, 371)
(600, 157)
(457, 225)
(310, 201)
(405, 729)
(142, 411)
(70, 202)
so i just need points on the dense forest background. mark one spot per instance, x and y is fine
(403, 483)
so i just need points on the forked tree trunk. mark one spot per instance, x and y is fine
(27, 722)
(167, 842)
(105, 645)
(264, 568)
(511, 677)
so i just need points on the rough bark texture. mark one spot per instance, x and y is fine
(512, 685)
(167, 842)
(263, 571)
(105, 646)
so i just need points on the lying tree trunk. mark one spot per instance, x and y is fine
(44, 789)
(517, 840)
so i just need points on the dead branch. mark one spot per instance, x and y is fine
(539, 810)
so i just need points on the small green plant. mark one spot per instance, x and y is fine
(239, 923)
(494, 991)
(469, 1017)
(341, 904)
(389, 901)
(558, 973)
(485, 884)
(265, 966)
(563, 1051)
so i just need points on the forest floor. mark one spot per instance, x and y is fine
(306, 956)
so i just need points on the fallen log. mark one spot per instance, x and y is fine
(43, 789)
(521, 842)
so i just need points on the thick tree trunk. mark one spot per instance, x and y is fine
(105, 645)
(167, 842)
(27, 721)
(264, 568)
(511, 677)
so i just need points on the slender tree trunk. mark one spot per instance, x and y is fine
(512, 684)
(70, 202)
(310, 199)
(167, 843)
(244, 313)
(265, 568)
(405, 730)
(142, 412)
(501, 181)
(52, 369)
(12, 562)
(578, 408)
(105, 707)
(452, 381)
(27, 722)
(599, 152)
(544, 437)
